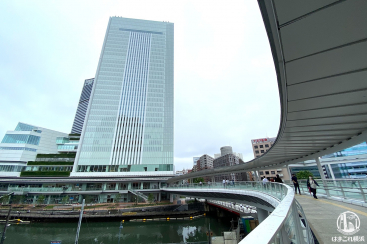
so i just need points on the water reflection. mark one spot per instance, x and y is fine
(174, 231)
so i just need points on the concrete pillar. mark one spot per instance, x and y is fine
(141, 185)
(49, 199)
(289, 173)
(129, 186)
(331, 172)
(159, 197)
(261, 214)
(117, 187)
(256, 174)
(213, 179)
(320, 168)
(104, 186)
(34, 200)
(324, 183)
(170, 197)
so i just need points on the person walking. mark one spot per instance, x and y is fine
(224, 183)
(265, 182)
(227, 182)
(354, 183)
(201, 184)
(312, 184)
(295, 184)
(278, 179)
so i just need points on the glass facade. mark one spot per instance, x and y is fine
(340, 166)
(82, 107)
(19, 148)
(24, 139)
(130, 118)
(351, 151)
(24, 127)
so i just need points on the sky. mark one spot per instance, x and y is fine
(226, 89)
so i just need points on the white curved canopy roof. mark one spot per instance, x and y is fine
(320, 56)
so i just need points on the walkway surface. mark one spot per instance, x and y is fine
(322, 215)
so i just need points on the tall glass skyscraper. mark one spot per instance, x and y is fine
(129, 121)
(82, 107)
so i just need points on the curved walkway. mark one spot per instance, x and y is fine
(322, 215)
(285, 224)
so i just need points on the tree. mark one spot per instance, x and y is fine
(18, 199)
(134, 199)
(88, 199)
(197, 180)
(65, 199)
(118, 197)
(5, 199)
(304, 174)
(150, 198)
(41, 199)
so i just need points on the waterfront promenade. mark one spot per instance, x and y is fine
(322, 215)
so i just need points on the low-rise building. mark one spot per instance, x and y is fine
(22, 145)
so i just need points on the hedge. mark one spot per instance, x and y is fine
(61, 155)
(49, 163)
(45, 173)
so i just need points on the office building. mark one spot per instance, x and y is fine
(82, 107)
(352, 160)
(194, 160)
(129, 120)
(228, 158)
(261, 146)
(23, 144)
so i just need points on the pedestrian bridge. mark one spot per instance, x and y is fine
(287, 221)
(285, 224)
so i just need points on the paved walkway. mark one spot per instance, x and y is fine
(322, 214)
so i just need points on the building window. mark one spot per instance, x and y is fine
(266, 145)
(272, 172)
(256, 147)
(266, 172)
(261, 173)
(257, 151)
(261, 146)
(262, 151)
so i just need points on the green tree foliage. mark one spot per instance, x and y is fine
(5, 199)
(197, 180)
(118, 197)
(304, 174)
(65, 199)
(150, 198)
(88, 199)
(18, 199)
(41, 199)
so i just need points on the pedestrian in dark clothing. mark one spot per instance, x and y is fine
(311, 184)
(278, 179)
(295, 183)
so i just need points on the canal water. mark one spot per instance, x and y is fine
(152, 232)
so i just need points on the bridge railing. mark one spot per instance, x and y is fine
(351, 189)
(286, 224)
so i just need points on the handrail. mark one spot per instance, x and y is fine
(283, 223)
(353, 189)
